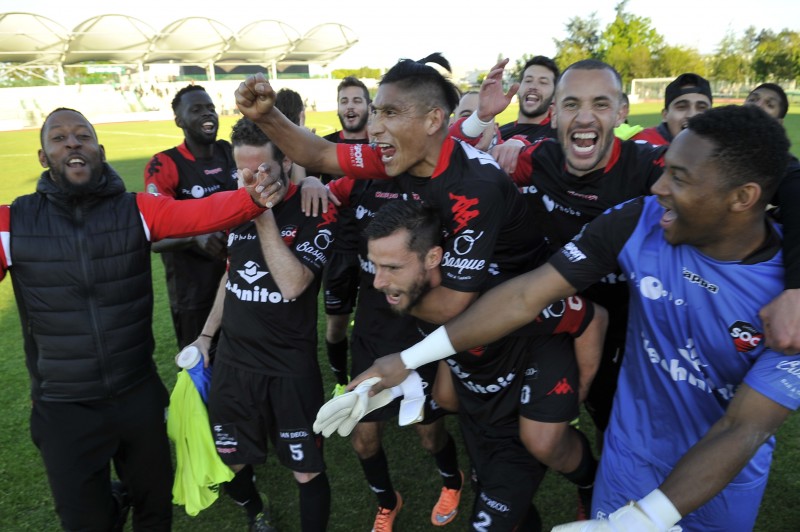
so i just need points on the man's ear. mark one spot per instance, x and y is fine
(102, 153)
(745, 197)
(433, 258)
(287, 165)
(435, 120)
(43, 159)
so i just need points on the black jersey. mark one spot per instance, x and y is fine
(488, 224)
(787, 198)
(192, 275)
(374, 319)
(346, 236)
(261, 331)
(532, 132)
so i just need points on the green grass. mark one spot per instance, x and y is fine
(25, 502)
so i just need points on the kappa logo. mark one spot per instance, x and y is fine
(152, 189)
(562, 387)
(745, 336)
(463, 210)
(464, 242)
(251, 273)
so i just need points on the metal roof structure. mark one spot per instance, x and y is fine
(28, 40)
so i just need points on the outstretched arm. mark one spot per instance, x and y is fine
(255, 98)
(495, 314)
(750, 420)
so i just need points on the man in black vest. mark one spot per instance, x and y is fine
(198, 167)
(79, 258)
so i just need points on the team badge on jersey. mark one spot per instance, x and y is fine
(745, 336)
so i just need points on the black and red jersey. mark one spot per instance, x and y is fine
(532, 132)
(657, 135)
(488, 224)
(346, 236)
(262, 331)
(192, 275)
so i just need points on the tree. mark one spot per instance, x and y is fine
(675, 60)
(731, 62)
(777, 57)
(629, 44)
(582, 41)
(360, 73)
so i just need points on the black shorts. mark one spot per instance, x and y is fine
(550, 384)
(340, 281)
(364, 354)
(508, 475)
(246, 408)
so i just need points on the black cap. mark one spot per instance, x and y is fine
(687, 84)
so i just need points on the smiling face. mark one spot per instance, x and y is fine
(400, 273)
(587, 109)
(70, 149)
(353, 109)
(692, 192)
(535, 94)
(682, 108)
(405, 132)
(197, 116)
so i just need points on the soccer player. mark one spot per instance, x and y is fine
(376, 323)
(537, 85)
(78, 251)
(340, 280)
(700, 396)
(575, 178)
(686, 96)
(782, 317)
(489, 225)
(202, 165)
(493, 383)
(267, 381)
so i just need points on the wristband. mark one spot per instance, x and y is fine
(435, 346)
(659, 509)
(473, 126)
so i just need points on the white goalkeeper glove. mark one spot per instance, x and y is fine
(342, 413)
(654, 513)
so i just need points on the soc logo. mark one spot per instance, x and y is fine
(745, 336)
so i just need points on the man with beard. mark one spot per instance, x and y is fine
(686, 96)
(340, 278)
(700, 396)
(199, 167)
(78, 251)
(267, 382)
(537, 84)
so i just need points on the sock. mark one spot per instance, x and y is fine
(447, 462)
(315, 504)
(583, 476)
(376, 471)
(337, 357)
(243, 491)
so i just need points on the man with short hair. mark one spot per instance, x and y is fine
(493, 384)
(78, 251)
(340, 279)
(687, 95)
(267, 382)
(700, 397)
(537, 85)
(200, 166)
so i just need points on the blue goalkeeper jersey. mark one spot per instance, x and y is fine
(693, 336)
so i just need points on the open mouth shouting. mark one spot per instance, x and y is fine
(583, 143)
(208, 127)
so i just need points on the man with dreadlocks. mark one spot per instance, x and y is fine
(486, 220)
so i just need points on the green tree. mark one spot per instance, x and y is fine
(731, 62)
(629, 43)
(777, 57)
(582, 41)
(360, 73)
(672, 61)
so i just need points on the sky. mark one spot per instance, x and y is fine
(470, 37)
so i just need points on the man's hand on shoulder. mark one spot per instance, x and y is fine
(781, 318)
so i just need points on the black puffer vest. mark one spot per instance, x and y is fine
(81, 275)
